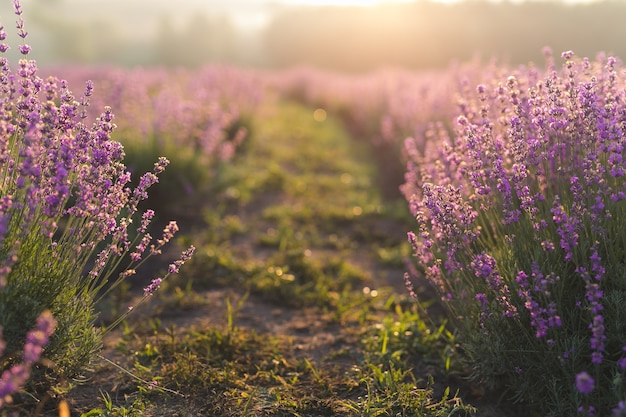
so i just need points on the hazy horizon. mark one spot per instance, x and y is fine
(279, 33)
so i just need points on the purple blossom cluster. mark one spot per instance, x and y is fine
(484, 267)
(66, 206)
(173, 268)
(16, 376)
(534, 290)
(198, 109)
(520, 204)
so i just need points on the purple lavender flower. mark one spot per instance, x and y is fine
(146, 218)
(24, 49)
(585, 384)
(484, 267)
(485, 313)
(141, 247)
(535, 289)
(12, 380)
(153, 286)
(174, 268)
(619, 410)
(409, 285)
(16, 376)
(593, 295)
(567, 228)
(168, 233)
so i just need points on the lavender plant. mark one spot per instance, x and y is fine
(522, 229)
(200, 118)
(66, 217)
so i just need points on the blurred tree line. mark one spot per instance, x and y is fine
(429, 35)
(422, 34)
(199, 40)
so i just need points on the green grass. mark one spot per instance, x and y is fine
(233, 371)
(293, 216)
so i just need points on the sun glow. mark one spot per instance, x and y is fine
(379, 2)
(345, 2)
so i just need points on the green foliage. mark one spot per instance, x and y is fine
(34, 286)
(186, 176)
(295, 279)
(133, 407)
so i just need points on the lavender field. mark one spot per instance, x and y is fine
(229, 241)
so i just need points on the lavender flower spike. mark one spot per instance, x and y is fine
(584, 383)
(14, 378)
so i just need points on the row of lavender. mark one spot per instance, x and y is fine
(72, 227)
(199, 118)
(516, 179)
(521, 218)
(196, 109)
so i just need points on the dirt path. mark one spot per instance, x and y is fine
(305, 194)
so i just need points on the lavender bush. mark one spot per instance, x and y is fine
(200, 118)
(66, 214)
(522, 228)
(198, 109)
